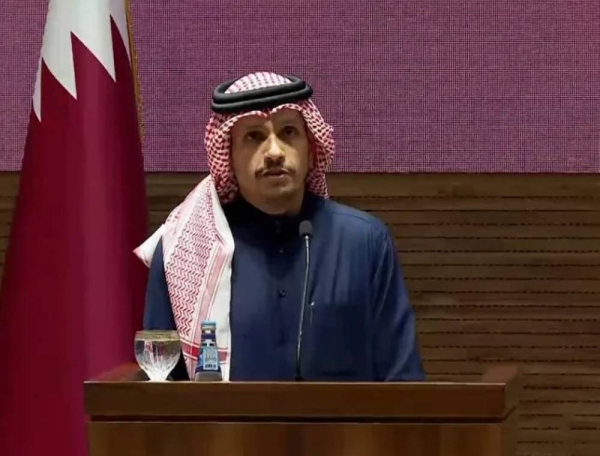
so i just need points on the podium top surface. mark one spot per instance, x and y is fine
(122, 393)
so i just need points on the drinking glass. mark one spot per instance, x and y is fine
(157, 353)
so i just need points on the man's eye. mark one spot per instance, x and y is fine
(289, 131)
(255, 136)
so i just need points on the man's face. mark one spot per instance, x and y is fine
(271, 157)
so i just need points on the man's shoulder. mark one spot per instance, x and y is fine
(354, 220)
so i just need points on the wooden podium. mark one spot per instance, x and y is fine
(133, 417)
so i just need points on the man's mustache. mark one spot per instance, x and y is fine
(273, 169)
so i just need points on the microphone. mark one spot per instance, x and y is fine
(306, 232)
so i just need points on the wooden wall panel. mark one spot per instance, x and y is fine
(501, 268)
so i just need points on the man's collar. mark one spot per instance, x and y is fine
(241, 213)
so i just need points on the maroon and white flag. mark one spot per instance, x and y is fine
(72, 292)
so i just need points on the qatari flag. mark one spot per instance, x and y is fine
(73, 291)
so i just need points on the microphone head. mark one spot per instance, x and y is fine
(305, 229)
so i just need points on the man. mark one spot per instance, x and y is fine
(232, 253)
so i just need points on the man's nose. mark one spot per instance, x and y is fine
(274, 150)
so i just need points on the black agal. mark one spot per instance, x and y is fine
(258, 99)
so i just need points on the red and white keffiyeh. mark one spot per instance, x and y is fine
(197, 243)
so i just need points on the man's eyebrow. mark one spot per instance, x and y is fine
(252, 125)
(290, 119)
(287, 118)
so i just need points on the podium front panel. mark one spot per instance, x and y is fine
(300, 439)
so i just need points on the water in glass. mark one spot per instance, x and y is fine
(157, 352)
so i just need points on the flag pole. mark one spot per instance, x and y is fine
(134, 68)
